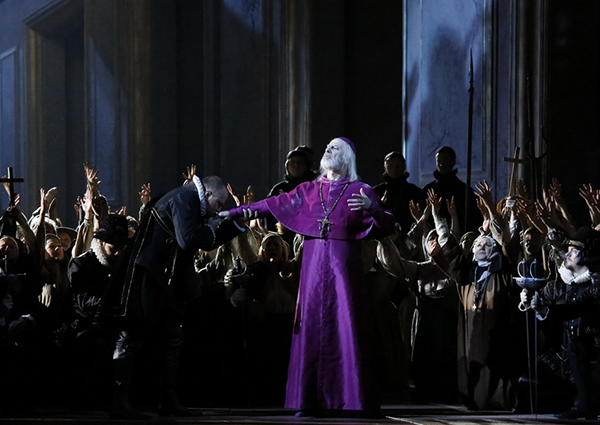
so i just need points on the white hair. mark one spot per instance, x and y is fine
(348, 160)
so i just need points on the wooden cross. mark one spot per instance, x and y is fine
(324, 226)
(11, 187)
(513, 174)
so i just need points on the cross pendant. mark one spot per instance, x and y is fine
(324, 226)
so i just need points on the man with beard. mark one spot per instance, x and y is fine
(90, 349)
(331, 366)
(90, 272)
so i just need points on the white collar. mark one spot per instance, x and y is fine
(99, 252)
(570, 279)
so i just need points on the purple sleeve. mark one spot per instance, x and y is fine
(260, 207)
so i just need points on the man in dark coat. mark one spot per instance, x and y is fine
(89, 273)
(297, 170)
(574, 299)
(447, 186)
(399, 192)
(87, 349)
(160, 279)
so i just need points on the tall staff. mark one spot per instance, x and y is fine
(469, 143)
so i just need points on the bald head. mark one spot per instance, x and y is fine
(216, 194)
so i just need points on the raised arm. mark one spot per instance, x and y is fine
(85, 231)
(590, 197)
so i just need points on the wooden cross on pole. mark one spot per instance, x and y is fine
(11, 185)
(513, 174)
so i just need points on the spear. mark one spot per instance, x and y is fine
(469, 143)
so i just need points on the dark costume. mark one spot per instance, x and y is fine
(576, 305)
(435, 319)
(288, 184)
(399, 193)
(449, 186)
(489, 362)
(160, 279)
(330, 364)
(88, 278)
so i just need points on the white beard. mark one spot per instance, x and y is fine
(331, 164)
(100, 253)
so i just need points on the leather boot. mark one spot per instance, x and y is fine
(122, 370)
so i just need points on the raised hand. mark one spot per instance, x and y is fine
(359, 201)
(145, 193)
(91, 175)
(43, 202)
(587, 193)
(415, 210)
(483, 208)
(51, 194)
(484, 192)
(234, 195)
(189, 175)
(15, 207)
(544, 214)
(435, 201)
(522, 189)
(87, 204)
(555, 186)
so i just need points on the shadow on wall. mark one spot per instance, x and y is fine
(438, 108)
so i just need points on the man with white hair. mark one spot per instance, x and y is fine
(331, 367)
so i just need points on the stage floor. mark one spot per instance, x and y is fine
(402, 414)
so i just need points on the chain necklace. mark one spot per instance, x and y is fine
(325, 224)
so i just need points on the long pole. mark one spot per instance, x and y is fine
(469, 144)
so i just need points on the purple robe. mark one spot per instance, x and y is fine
(331, 364)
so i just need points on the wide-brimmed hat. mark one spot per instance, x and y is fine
(113, 230)
(68, 230)
(587, 240)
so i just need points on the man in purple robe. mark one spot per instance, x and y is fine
(331, 366)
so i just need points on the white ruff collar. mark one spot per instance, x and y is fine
(99, 253)
(201, 194)
(570, 279)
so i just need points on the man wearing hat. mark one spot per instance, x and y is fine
(331, 365)
(90, 272)
(574, 299)
(89, 275)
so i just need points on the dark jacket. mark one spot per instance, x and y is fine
(171, 232)
(449, 186)
(399, 193)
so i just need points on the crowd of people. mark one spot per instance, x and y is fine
(327, 296)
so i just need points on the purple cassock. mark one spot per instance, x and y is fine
(331, 364)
